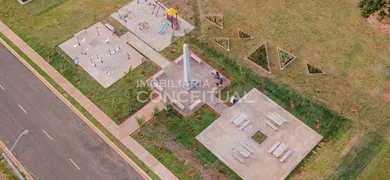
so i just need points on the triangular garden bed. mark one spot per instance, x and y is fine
(216, 20)
(285, 58)
(314, 70)
(243, 35)
(259, 57)
(222, 42)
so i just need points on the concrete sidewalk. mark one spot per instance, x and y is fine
(129, 142)
(145, 49)
(146, 113)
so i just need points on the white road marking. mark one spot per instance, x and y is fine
(1, 87)
(74, 163)
(22, 108)
(47, 134)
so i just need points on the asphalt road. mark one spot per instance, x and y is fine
(59, 144)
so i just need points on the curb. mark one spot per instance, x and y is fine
(14, 160)
(77, 112)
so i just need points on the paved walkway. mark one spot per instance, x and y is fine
(146, 49)
(129, 142)
(146, 113)
(216, 104)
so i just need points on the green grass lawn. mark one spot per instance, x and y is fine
(182, 131)
(329, 34)
(45, 24)
(333, 126)
(360, 157)
(120, 99)
(378, 167)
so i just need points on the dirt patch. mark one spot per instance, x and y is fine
(2, 176)
(379, 25)
(351, 143)
(183, 154)
(386, 97)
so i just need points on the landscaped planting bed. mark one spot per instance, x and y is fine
(215, 19)
(285, 58)
(313, 70)
(243, 35)
(222, 42)
(259, 137)
(260, 57)
(171, 139)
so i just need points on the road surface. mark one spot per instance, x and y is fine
(59, 144)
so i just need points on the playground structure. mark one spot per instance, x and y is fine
(149, 21)
(171, 17)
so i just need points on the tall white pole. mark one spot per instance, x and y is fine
(23, 133)
(187, 70)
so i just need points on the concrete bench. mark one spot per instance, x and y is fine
(285, 156)
(196, 103)
(242, 127)
(280, 117)
(237, 156)
(279, 150)
(196, 58)
(157, 86)
(271, 125)
(244, 152)
(235, 116)
(239, 119)
(275, 119)
(272, 149)
(247, 148)
(112, 29)
(179, 59)
(178, 104)
(158, 74)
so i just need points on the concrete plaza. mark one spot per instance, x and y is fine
(224, 138)
(101, 53)
(134, 14)
(170, 81)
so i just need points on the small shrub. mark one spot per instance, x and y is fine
(369, 7)
(140, 121)
(259, 137)
(223, 42)
(217, 20)
(243, 35)
(382, 14)
(285, 58)
(313, 70)
(259, 56)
